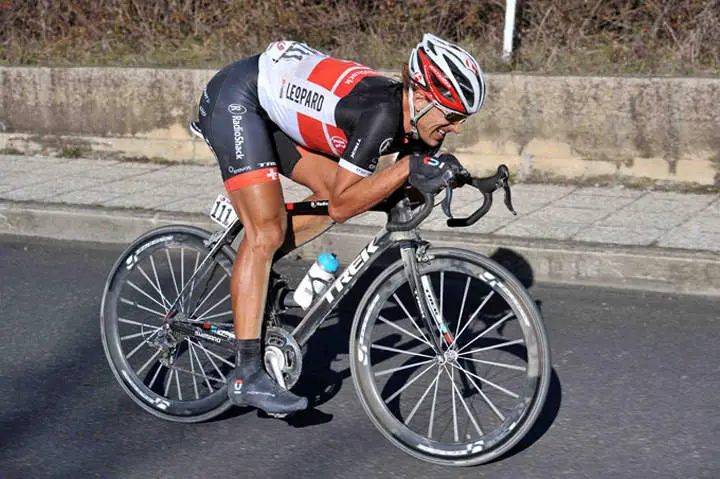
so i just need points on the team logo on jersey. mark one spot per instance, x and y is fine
(385, 145)
(355, 148)
(236, 109)
(339, 143)
(238, 137)
(303, 96)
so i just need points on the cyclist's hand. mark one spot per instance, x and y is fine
(430, 174)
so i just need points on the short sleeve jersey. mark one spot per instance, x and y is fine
(337, 107)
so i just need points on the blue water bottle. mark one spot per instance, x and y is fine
(320, 275)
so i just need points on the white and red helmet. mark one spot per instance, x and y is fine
(448, 74)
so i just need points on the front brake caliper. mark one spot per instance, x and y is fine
(422, 254)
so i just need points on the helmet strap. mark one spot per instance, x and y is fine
(413, 117)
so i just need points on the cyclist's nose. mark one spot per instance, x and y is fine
(455, 128)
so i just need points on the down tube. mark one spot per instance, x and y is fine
(323, 305)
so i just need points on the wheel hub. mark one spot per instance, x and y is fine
(451, 355)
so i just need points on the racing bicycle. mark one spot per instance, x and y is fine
(448, 352)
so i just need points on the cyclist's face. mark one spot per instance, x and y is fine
(434, 125)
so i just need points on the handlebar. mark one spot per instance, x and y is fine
(485, 185)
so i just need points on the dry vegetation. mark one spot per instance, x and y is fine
(556, 36)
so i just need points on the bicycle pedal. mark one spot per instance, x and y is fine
(281, 415)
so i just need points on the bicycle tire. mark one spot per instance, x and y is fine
(156, 249)
(371, 343)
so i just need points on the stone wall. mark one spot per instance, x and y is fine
(545, 128)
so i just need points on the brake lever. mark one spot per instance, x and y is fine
(447, 200)
(508, 199)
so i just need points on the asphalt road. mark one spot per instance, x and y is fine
(634, 394)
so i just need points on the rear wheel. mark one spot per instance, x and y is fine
(461, 404)
(175, 373)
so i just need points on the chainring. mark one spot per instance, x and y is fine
(292, 354)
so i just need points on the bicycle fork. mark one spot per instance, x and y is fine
(424, 295)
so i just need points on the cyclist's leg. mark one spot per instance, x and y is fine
(262, 212)
(313, 170)
(238, 135)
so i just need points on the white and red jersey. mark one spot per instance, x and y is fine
(337, 107)
(300, 88)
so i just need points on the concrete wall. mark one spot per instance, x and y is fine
(545, 128)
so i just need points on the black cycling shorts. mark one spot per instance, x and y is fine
(248, 147)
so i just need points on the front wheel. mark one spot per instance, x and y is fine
(470, 400)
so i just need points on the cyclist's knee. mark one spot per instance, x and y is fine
(266, 237)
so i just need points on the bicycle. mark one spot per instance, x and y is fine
(448, 352)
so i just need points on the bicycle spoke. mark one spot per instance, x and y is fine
(152, 283)
(407, 384)
(192, 368)
(497, 412)
(168, 383)
(209, 355)
(422, 398)
(157, 279)
(131, 336)
(494, 346)
(462, 308)
(405, 331)
(204, 319)
(400, 303)
(432, 410)
(207, 296)
(172, 272)
(140, 306)
(157, 372)
(487, 330)
(183, 370)
(147, 363)
(207, 381)
(182, 277)
(489, 383)
(177, 380)
(137, 323)
(402, 368)
(487, 298)
(401, 351)
(214, 306)
(466, 407)
(142, 343)
(138, 289)
(454, 407)
(500, 365)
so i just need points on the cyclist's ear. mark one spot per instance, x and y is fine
(419, 99)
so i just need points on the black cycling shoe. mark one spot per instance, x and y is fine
(261, 391)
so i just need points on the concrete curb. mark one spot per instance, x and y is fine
(654, 269)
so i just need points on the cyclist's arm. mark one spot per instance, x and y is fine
(353, 194)
(356, 189)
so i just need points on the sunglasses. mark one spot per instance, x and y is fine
(455, 118)
(451, 117)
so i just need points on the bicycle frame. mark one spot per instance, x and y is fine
(323, 305)
(408, 243)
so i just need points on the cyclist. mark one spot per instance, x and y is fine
(324, 123)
